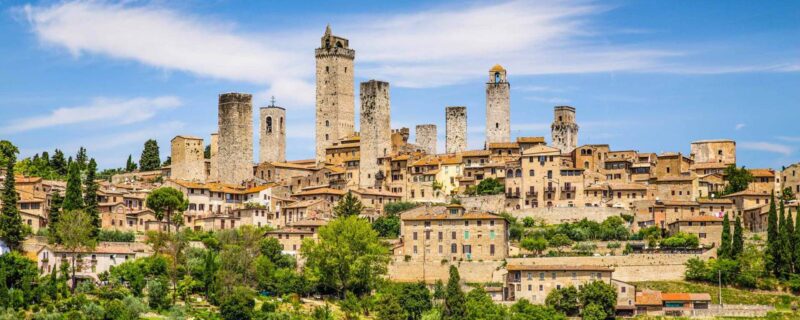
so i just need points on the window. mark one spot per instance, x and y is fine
(453, 235)
(269, 124)
(541, 287)
(553, 275)
(466, 235)
(453, 248)
(541, 275)
(415, 236)
(491, 235)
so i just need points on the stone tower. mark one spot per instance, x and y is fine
(235, 157)
(375, 132)
(426, 137)
(456, 135)
(272, 142)
(335, 97)
(188, 162)
(564, 130)
(213, 164)
(498, 107)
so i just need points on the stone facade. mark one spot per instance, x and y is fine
(375, 132)
(426, 137)
(335, 117)
(790, 178)
(717, 151)
(188, 162)
(456, 135)
(272, 145)
(498, 106)
(213, 163)
(235, 157)
(534, 283)
(564, 130)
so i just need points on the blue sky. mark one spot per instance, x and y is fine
(645, 75)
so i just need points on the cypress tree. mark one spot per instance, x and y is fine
(81, 158)
(59, 163)
(454, 298)
(56, 201)
(724, 250)
(789, 241)
(772, 238)
(784, 254)
(130, 166)
(10, 220)
(150, 159)
(737, 245)
(90, 197)
(796, 241)
(73, 199)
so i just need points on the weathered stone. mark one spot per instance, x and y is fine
(456, 135)
(235, 158)
(375, 132)
(498, 106)
(188, 162)
(335, 117)
(426, 137)
(272, 142)
(564, 130)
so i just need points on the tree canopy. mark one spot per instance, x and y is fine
(150, 159)
(348, 205)
(11, 230)
(167, 201)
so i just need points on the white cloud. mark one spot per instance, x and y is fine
(767, 146)
(100, 110)
(740, 126)
(789, 139)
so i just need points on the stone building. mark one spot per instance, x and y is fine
(188, 162)
(213, 163)
(272, 144)
(564, 130)
(498, 107)
(235, 157)
(456, 135)
(335, 94)
(535, 282)
(790, 178)
(375, 132)
(717, 151)
(426, 137)
(707, 228)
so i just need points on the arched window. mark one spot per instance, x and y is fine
(269, 124)
(518, 173)
(497, 77)
(338, 44)
(327, 123)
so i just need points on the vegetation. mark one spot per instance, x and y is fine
(150, 156)
(738, 179)
(11, 230)
(681, 240)
(388, 225)
(729, 295)
(490, 186)
(348, 205)
(170, 202)
(74, 230)
(116, 236)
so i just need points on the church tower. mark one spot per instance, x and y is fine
(335, 94)
(564, 130)
(272, 142)
(498, 107)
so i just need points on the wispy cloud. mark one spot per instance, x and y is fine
(766, 146)
(740, 126)
(789, 139)
(100, 110)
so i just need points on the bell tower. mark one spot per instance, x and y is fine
(498, 106)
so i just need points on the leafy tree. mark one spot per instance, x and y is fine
(536, 245)
(772, 239)
(157, 293)
(480, 306)
(796, 241)
(528, 222)
(11, 230)
(56, 201)
(347, 257)
(681, 240)
(454, 299)
(74, 229)
(387, 226)
(490, 186)
(564, 300)
(150, 159)
(787, 194)
(784, 244)
(438, 290)
(90, 197)
(393, 208)
(238, 305)
(389, 307)
(348, 205)
(167, 162)
(415, 299)
(559, 241)
(696, 269)
(737, 245)
(594, 311)
(790, 245)
(207, 152)
(166, 200)
(724, 250)
(130, 165)
(18, 276)
(738, 179)
(58, 163)
(73, 199)
(81, 158)
(599, 293)
(524, 310)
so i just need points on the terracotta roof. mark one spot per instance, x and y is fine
(678, 203)
(503, 145)
(530, 139)
(319, 191)
(289, 230)
(698, 219)
(557, 268)
(290, 165)
(475, 153)
(627, 186)
(762, 173)
(649, 298)
(542, 149)
(303, 204)
(670, 296)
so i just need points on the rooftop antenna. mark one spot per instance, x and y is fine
(272, 102)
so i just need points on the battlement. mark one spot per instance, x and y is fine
(564, 108)
(235, 97)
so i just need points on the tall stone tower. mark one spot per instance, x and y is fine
(188, 162)
(213, 163)
(272, 142)
(235, 158)
(426, 137)
(498, 107)
(456, 134)
(335, 97)
(375, 132)
(564, 130)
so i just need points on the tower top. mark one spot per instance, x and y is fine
(328, 30)
(497, 68)
(329, 40)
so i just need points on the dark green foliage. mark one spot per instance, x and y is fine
(682, 240)
(594, 312)
(158, 293)
(524, 310)
(564, 300)
(392, 208)
(167, 162)
(130, 165)
(724, 250)
(387, 226)
(738, 179)
(207, 152)
(348, 205)
(11, 231)
(116, 236)
(238, 305)
(150, 159)
(56, 201)
(479, 306)
(58, 163)
(737, 244)
(536, 245)
(784, 263)
(773, 260)
(599, 293)
(90, 197)
(167, 201)
(454, 299)
(415, 299)
(796, 241)
(81, 158)
(73, 199)
(490, 186)
(18, 279)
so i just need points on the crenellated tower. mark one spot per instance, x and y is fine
(564, 130)
(335, 118)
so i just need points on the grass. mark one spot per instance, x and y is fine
(779, 300)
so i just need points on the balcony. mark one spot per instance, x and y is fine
(550, 189)
(512, 194)
(568, 189)
(532, 194)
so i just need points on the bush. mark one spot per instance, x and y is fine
(157, 294)
(116, 236)
(681, 240)
(238, 305)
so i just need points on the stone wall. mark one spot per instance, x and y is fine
(494, 203)
(498, 109)
(556, 215)
(213, 172)
(456, 135)
(426, 137)
(235, 158)
(470, 271)
(375, 130)
(272, 144)
(335, 98)
(564, 130)
(188, 162)
(733, 310)
(716, 151)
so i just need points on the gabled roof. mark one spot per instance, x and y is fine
(669, 296)
(542, 149)
(320, 191)
(649, 298)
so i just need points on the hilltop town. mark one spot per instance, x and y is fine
(524, 218)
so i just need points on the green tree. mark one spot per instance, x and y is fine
(207, 152)
(564, 300)
(560, 241)
(348, 205)
(772, 239)
(594, 311)
(166, 201)
(787, 194)
(479, 306)
(90, 197)
(395, 208)
(796, 241)
(150, 159)
(600, 293)
(724, 250)
(415, 299)
(784, 245)
(59, 163)
(167, 162)
(238, 305)
(74, 229)
(490, 186)
(347, 257)
(454, 299)
(130, 165)
(18, 278)
(81, 158)
(56, 201)
(11, 230)
(790, 245)
(389, 307)
(737, 245)
(73, 199)
(158, 293)
(738, 179)
(387, 226)
(524, 310)
(535, 244)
